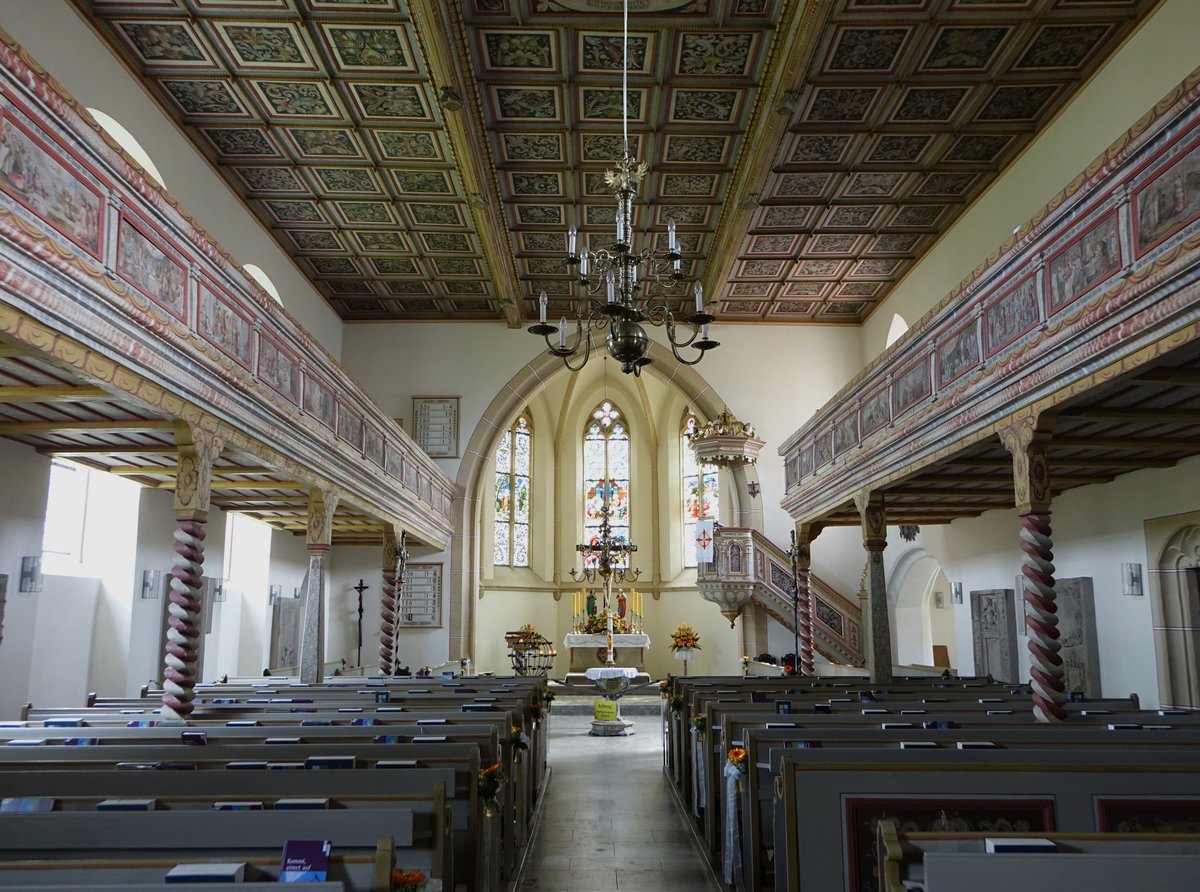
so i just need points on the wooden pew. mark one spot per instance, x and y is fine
(1061, 789)
(937, 862)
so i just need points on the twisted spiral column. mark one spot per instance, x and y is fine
(804, 593)
(387, 622)
(1041, 619)
(183, 623)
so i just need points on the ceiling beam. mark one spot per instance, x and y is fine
(1140, 416)
(80, 451)
(12, 351)
(458, 98)
(791, 49)
(122, 426)
(1130, 444)
(246, 484)
(137, 470)
(1185, 377)
(15, 395)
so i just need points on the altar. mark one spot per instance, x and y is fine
(587, 650)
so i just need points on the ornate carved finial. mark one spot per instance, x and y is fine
(449, 99)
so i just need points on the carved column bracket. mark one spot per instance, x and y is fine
(874, 528)
(1026, 439)
(198, 451)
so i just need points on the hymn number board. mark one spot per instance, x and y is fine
(420, 600)
(435, 425)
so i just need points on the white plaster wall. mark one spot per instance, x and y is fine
(805, 365)
(289, 563)
(56, 641)
(1095, 530)
(63, 44)
(24, 480)
(1152, 62)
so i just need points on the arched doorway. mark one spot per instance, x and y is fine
(922, 611)
(1175, 604)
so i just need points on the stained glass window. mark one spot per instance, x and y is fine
(701, 498)
(510, 546)
(605, 476)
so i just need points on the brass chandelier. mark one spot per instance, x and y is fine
(613, 278)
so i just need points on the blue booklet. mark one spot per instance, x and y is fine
(305, 861)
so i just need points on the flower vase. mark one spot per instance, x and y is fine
(491, 807)
(684, 653)
(517, 757)
(740, 785)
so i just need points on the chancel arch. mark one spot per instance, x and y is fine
(558, 401)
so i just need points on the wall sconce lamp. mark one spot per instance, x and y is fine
(276, 594)
(958, 594)
(151, 584)
(1131, 579)
(31, 574)
(753, 488)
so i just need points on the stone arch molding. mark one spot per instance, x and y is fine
(906, 565)
(466, 545)
(1175, 587)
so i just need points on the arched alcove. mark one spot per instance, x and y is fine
(920, 619)
(528, 386)
(1175, 604)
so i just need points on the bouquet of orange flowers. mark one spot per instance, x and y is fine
(685, 638)
(517, 737)
(490, 780)
(737, 758)
(699, 722)
(408, 880)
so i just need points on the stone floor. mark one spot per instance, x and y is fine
(609, 820)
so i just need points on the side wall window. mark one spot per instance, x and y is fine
(513, 455)
(605, 476)
(701, 497)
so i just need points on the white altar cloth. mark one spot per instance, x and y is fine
(601, 640)
(598, 672)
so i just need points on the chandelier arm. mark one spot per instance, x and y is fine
(676, 354)
(687, 343)
(585, 336)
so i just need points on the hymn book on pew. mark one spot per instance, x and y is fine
(305, 861)
(207, 872)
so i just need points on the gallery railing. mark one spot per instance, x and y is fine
(95, 259)
(1101, 281)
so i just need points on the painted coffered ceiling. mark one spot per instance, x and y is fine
(423, 160)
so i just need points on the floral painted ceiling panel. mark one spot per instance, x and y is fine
(424, 159)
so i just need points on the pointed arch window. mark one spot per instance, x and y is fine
(605, 475)
(513, 464)
(701, 495)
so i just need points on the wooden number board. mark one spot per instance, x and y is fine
(420, 600)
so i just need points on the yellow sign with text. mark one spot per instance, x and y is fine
(605, 711)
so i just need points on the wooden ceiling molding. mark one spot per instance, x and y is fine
(423, 160)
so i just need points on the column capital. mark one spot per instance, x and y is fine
(198, 451)
(874, 519)
(322, 503)
(1026, 436)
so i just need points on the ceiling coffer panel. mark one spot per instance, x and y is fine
(324, 116)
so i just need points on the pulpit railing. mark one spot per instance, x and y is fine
(746, 557)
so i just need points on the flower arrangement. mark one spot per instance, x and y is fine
(663, 688)
(490, 779)
(737, 758)
(518, 739)
(685, 638)
(676, 703)
(548, 699)
(408, 880)
(599, 623)
(745, 663)
(527, 637)
(424, 672)
(700, 723)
